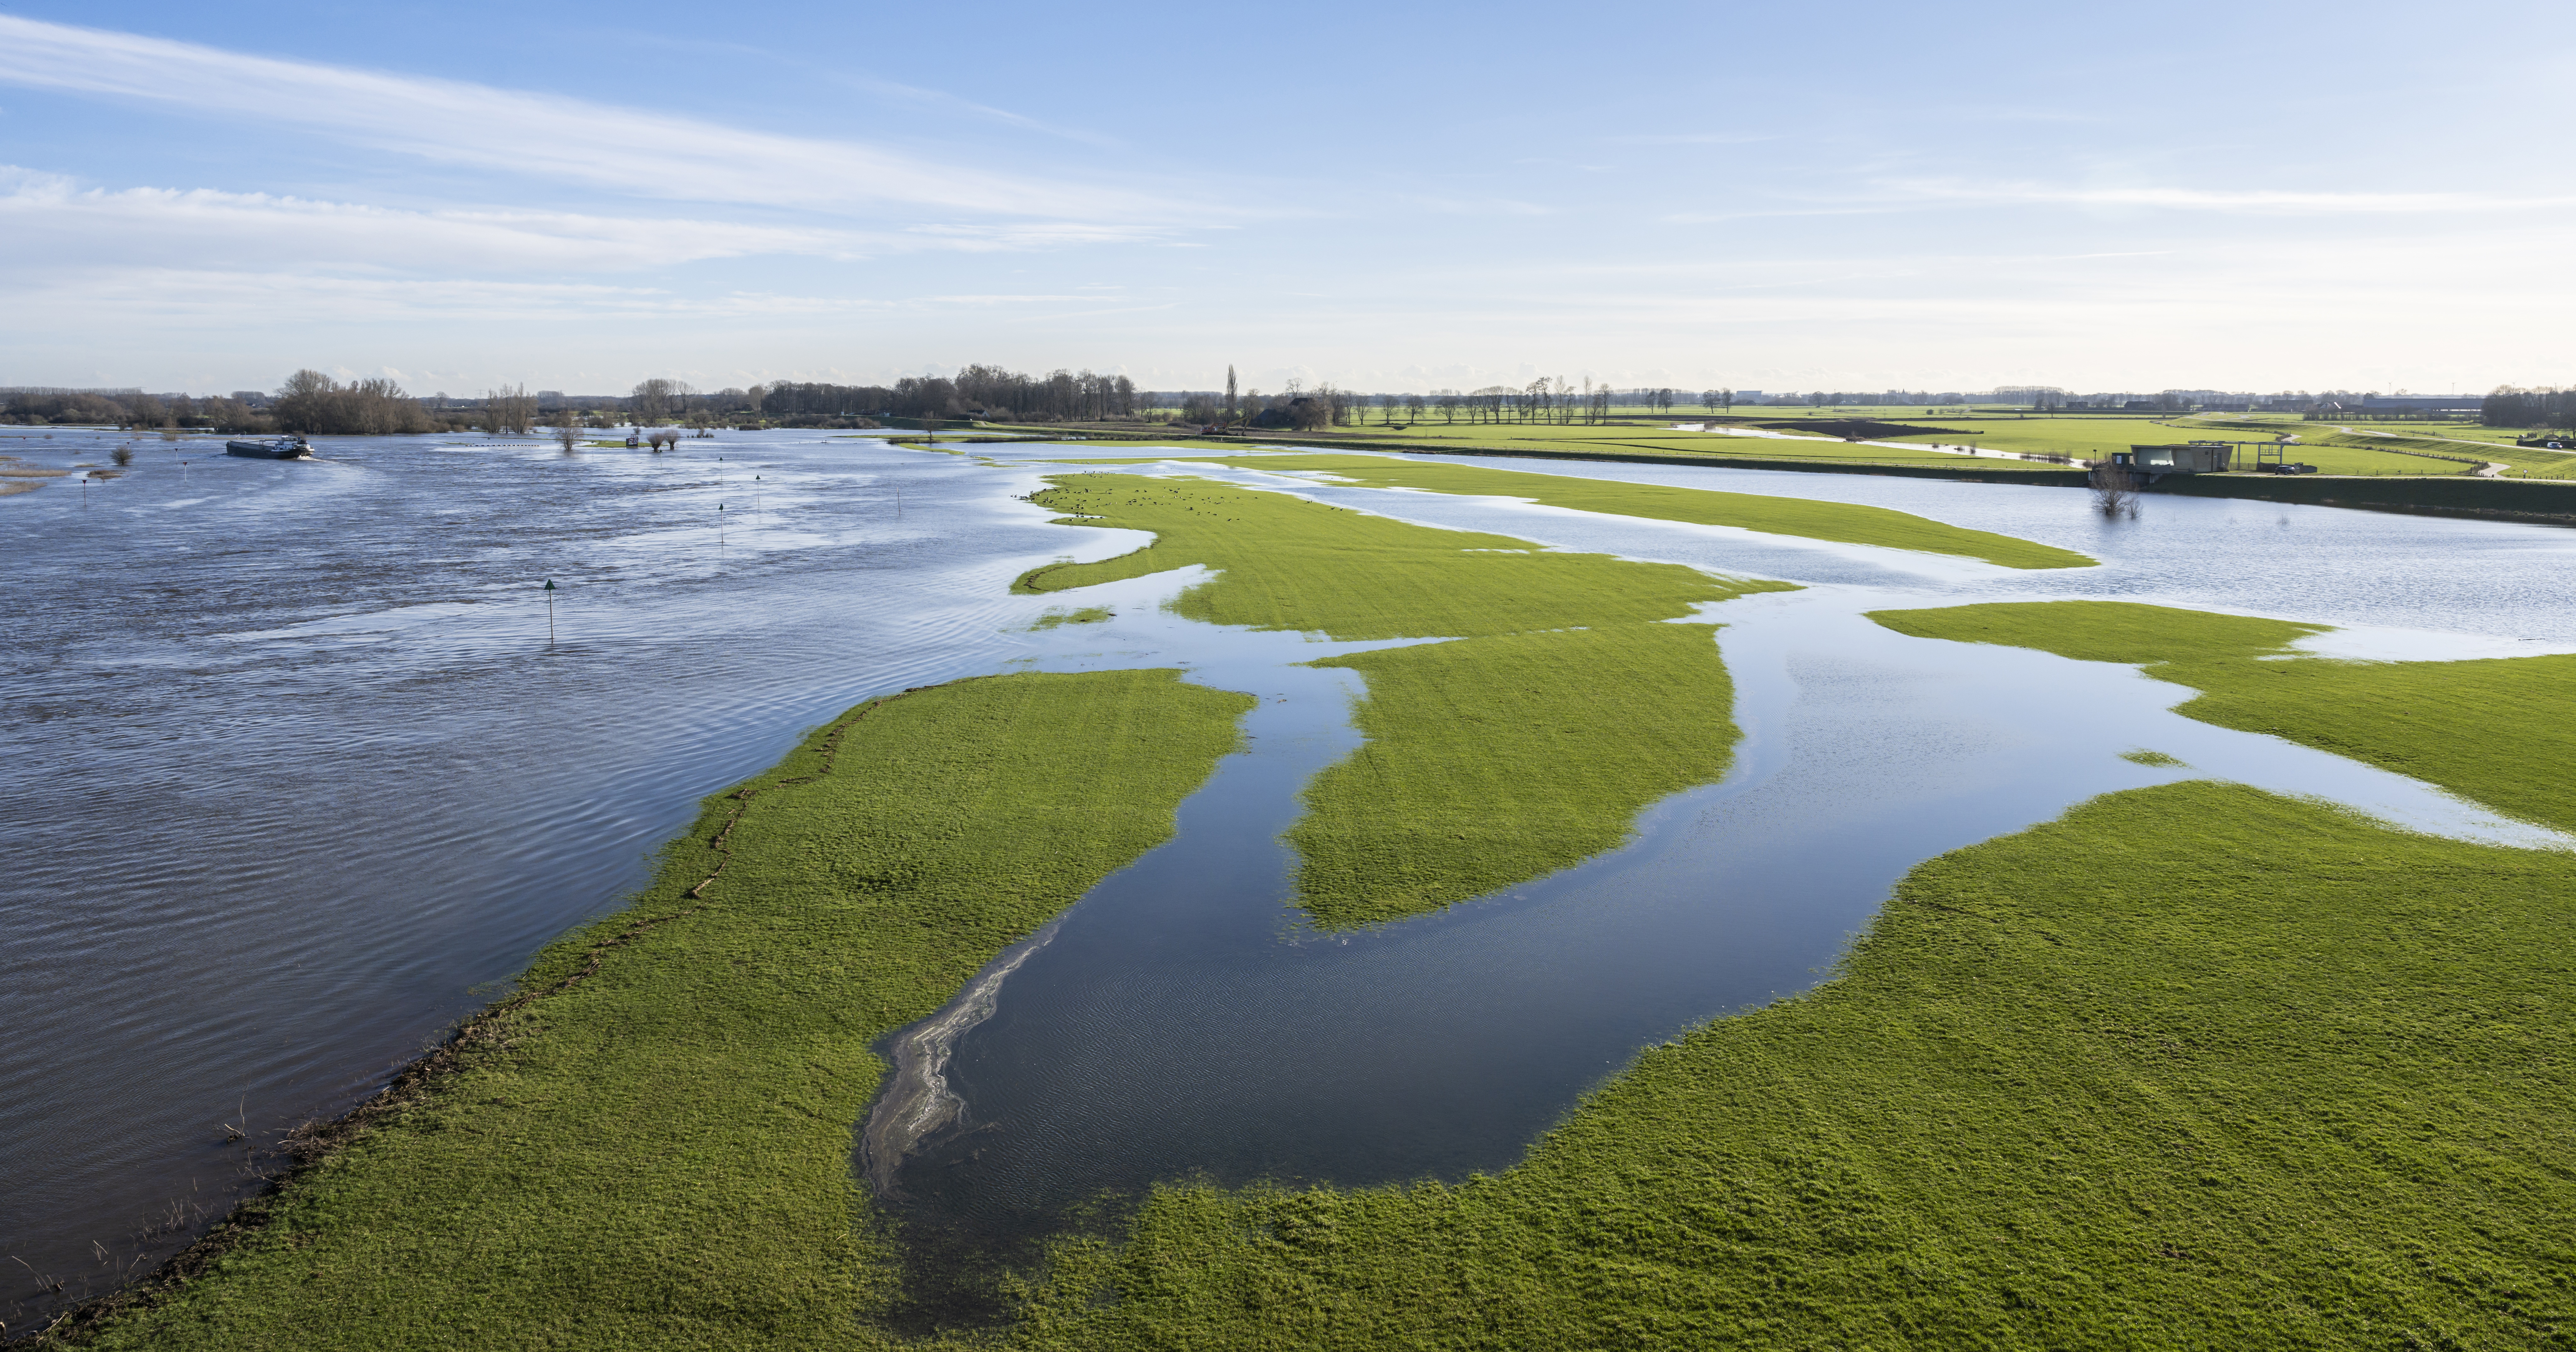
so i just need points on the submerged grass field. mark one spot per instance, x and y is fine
(658, 1155)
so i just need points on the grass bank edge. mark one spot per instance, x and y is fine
(764, 1233)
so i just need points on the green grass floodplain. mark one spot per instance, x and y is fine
(2324, 445)
(1565, 703)
(1845, 523)
(2190, 1067)
(1614, 438)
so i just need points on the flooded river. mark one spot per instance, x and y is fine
(302, 779)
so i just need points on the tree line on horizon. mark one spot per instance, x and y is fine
(2514, 406)
(311, 401)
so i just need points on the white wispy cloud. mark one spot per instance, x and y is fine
(177, 298)
(1692, 138)
(55, 222)
(643, 153)
(2245, 201)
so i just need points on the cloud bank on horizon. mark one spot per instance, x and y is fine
(1856, 198)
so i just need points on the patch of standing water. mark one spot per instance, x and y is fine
(1179, 1023)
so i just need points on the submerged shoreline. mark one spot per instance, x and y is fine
(917, 1100)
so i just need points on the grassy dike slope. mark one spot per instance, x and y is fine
(1530, 743)
(2192, 1067)
(2485, 729)
(1840, 522)
(657, 1153)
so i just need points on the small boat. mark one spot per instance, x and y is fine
(275, 448)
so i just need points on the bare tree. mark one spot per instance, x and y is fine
(568, 431)
(509, 409)
(1229, 394)
(652, 399)
(2115, 489)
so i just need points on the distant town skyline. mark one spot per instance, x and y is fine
(1859, 197)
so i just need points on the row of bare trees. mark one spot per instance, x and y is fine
(310, 401)
(2514, 406)
(133, 409)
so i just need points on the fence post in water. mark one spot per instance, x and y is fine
(550, 613)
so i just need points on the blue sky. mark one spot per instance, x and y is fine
(1843, 195)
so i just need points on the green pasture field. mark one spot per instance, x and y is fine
(2527, 462)
(652, 1149)
(2093, 438)
(1615, 438)
(1845, 523)
(2380, 441)
(2074, 435)
(2079, 436)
